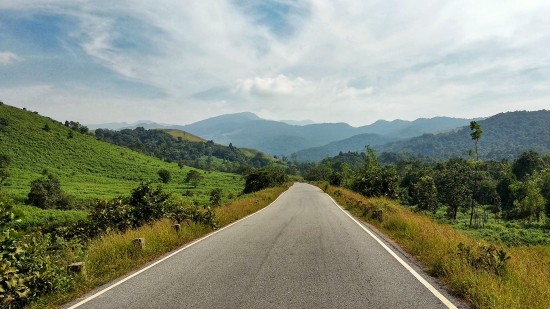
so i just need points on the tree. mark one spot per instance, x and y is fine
(193, 177)
(4, 123)
(545, 190)
(46, 193)
(375, 180)
(452, 181)
(216, 197)
(476, 135)
(425, 194)
(147, 203)
(164, 175)
(379, 181)
(532, 204)
(528, 163)
(4, 163)
(263, 178)
(46, 128)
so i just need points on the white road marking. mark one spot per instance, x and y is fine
(434, 291)
(87, 299)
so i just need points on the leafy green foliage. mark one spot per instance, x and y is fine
(260, 179)
(86, 167)
(528, 163)
(76, 126)
(29, 266)
(4, 123)
(193, 177)
(425, 194)
(147, 203)
(164, 146)
(4, 164)
(115, 214)
(164, 175)
(46, 193)
(376, 180)
(453, 180)
(216, 197)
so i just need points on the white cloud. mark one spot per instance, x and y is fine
(273, 86)
(409, 58)
(9, 58)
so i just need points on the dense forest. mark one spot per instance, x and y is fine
(204, 155)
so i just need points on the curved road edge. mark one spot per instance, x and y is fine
(440, 292)
(108, 286)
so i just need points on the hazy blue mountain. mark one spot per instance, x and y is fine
(274, 137)
(402, 129)
(505, 135)
(355, 143)
(281, 138)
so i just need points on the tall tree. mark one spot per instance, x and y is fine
(475, 133)
(425, 194)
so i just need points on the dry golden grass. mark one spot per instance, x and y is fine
(114, 255)
(525, 282)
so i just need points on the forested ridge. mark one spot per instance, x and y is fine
(506, 136)
(201, 155)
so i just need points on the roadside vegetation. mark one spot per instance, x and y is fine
(67, 197)
(487, 275)
(483, 227)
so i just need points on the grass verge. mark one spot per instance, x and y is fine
(486, 275)
(114, 255)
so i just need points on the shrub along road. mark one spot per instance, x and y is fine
(301, 252)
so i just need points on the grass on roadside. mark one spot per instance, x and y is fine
(113, 255)
(486, 275)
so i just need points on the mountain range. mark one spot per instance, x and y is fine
(284, 139)
(505, 135)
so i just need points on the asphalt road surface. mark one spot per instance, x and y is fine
(302, 251)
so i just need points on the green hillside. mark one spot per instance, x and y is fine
(87, 168)
(505, 136)
(186, 136)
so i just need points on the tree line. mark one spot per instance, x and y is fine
(516, 189)
(200, 155)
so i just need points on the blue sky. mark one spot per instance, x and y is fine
(352, 61)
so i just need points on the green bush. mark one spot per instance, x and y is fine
(216, 197)
(164, 175)
(30, 266)
(259, 179)
(46, 193)
(484, 257)
(115, 215)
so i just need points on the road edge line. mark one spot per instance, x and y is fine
(426, 284)
(87, 299)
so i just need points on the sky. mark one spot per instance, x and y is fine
(353, 61)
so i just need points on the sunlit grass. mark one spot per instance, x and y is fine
(114, 255)
(524, 284)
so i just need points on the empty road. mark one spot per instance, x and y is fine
(303, 251)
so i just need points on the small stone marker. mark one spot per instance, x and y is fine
(139, 243)
(77, 268)
(379, 215)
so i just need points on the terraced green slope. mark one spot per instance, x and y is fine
(87, 168)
